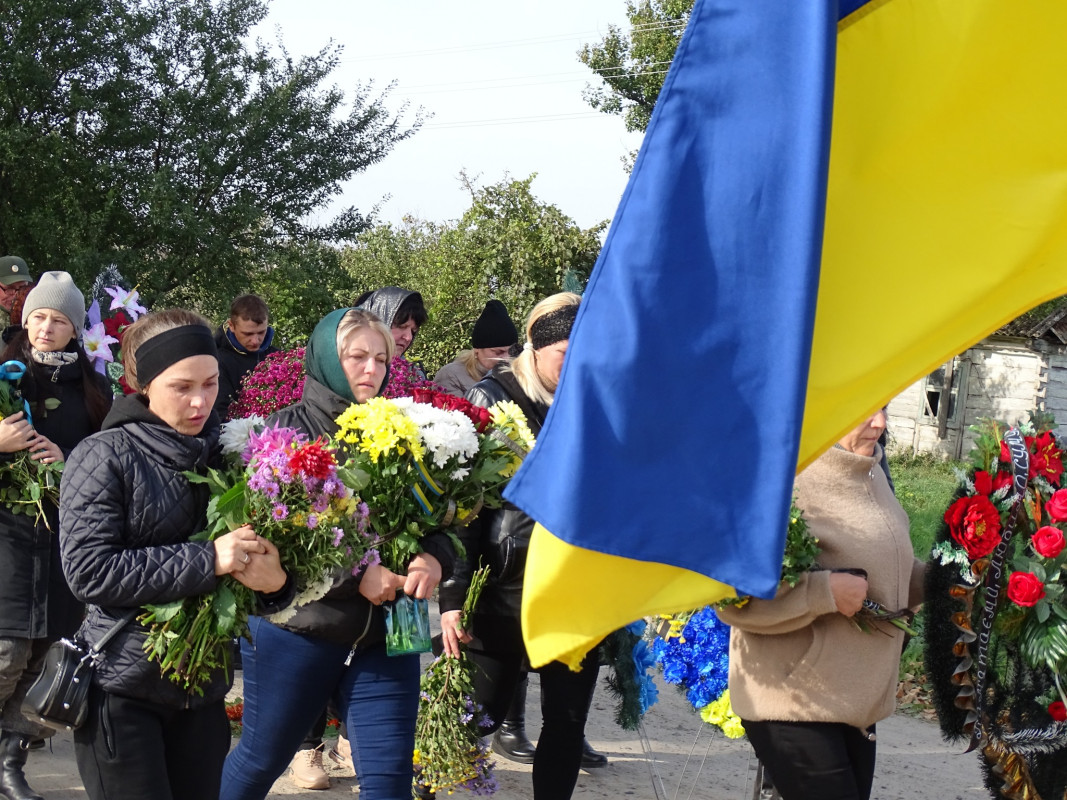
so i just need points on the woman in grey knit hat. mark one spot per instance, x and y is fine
(66, 401)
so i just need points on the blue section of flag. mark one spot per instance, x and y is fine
(846, 7)
(674, 433)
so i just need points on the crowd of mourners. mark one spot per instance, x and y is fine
(807, 685)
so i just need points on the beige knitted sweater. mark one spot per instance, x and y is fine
(795, 658)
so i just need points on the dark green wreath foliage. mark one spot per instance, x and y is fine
(616, 651)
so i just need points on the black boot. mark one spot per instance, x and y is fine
(510, 741)
(12, 760)
(591, 759)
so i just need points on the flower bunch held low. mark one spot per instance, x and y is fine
(294, 493)
(275, 383)
(450, 753)
(30, 483)
(428, 467)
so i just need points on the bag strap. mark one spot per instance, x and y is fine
(112, 631)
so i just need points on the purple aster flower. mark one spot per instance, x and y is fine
(313, 520)
(338, 535)
(280, 511)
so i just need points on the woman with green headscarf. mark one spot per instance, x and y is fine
(334, 648)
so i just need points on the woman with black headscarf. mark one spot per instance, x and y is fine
(334, 648)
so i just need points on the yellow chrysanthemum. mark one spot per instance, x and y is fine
(508, 418)
(378, 427)
(721, 714)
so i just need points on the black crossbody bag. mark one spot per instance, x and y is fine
(60, 695)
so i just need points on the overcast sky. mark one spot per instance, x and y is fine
(503, 85)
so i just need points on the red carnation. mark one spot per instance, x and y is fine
(312, 459)
(1048, 541)
(974, 523)
(1058, 711)
(1057, 506)
(1025, 589)
(1002, 479)
(116, 325)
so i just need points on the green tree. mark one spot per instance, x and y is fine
(633, 65)
(508, 245)
(153, 135)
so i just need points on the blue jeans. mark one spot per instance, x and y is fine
(288, 679)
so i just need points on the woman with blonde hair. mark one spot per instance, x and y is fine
(334, 648)
(500, 538)
(492, 338)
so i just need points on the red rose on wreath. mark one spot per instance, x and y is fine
(1048, 541)
(1025, 589)
(1001, 480)
(974, 523)
(1058, 711)
(983, 482)
(1057, 506)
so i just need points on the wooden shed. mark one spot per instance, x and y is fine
(1021, 367)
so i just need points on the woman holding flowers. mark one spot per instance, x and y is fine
(807, 681)
(127, 517)
(500, 538)
(66, 401)
(334, 648)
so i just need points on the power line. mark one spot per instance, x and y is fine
(481, 123)
(583, 75)
(470, 86)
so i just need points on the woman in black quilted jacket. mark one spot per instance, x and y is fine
(127, 512)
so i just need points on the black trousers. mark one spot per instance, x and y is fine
(815, 760)
(131, 750)
(565, 700)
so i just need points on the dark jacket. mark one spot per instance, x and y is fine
(499, 537)
(234, 363)
(127, 512)
(35, 602)
(343, 616)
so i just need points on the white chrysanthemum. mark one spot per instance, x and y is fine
(460, 473)
(235, 433)
(444, 434)
(314, 591)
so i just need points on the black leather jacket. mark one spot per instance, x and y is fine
(343, 616)
(499, 537)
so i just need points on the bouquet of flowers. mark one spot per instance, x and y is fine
(427, 465)
(102, 340)
(294, 493)
(693, 648)
(405, 378)
(996, 618)
(29, 483)
(449, 751)
(275, 383)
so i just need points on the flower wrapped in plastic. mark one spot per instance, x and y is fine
(293, 492)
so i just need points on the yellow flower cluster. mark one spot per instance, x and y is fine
(721, 713)
(508, 418)
(377, 427)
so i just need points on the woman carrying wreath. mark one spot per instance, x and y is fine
(334, 648)
(126, 518)
(806, 680)
(67, 401)
(500, 538)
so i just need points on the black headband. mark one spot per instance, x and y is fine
(168, 348)
(553, 327)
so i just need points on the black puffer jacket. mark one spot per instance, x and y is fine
(35, 602)
(343, 616)
(126, 514)
(499, 537)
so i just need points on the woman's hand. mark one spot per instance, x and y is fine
(15, 433)
(849, 592)
(234, 551)
(263, 572)
(452, 634)
(379, 584)
(45, 450)
(424, 573)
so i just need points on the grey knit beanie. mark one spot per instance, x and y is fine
(57, 290)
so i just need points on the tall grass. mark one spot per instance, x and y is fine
(924, 485)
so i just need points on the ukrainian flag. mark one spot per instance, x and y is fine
(830, 201)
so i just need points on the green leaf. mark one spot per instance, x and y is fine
(166, 611)
(51, 403)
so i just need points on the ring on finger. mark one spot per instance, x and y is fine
(246, 558)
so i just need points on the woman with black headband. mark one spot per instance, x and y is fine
(500, 538)
(127, 512)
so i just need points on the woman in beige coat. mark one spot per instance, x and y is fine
(806, 680)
